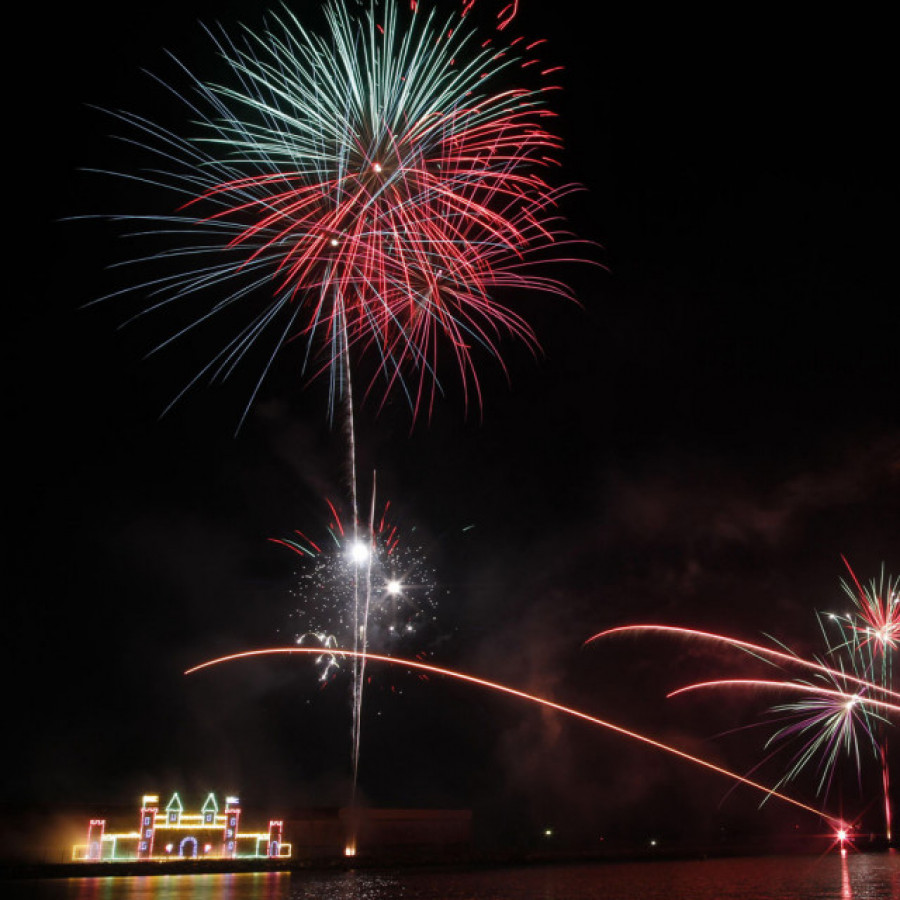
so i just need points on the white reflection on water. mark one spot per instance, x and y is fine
(832, 877)
(846, 890)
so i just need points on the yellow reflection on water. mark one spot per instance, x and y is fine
(206, 886)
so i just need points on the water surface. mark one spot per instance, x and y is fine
(832, 877)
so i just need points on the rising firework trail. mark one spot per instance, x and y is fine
(759, 650)
(531, 698)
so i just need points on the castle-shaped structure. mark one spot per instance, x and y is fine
(172, 834)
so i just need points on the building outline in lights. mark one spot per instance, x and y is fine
(173, 834)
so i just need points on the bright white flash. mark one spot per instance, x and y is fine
(394, 586)
(358, 552)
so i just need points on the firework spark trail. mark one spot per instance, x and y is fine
(358, 664)
(362, 634)
(532, 698)
(789, 686)
(755, 649)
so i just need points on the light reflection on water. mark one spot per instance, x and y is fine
(855, 877)
(241, 886)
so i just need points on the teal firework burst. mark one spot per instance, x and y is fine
(366, 192)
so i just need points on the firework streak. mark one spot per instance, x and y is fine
(758, 650)
(848, 700)
(531, 698)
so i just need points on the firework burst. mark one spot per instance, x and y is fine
(876, 616)
(365, 193)
(826, 725)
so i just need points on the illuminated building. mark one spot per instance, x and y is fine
(172, 834)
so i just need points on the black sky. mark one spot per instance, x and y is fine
(700, 443)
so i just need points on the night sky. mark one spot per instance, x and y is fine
(703, 437)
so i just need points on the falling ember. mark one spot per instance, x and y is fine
(531, 698)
